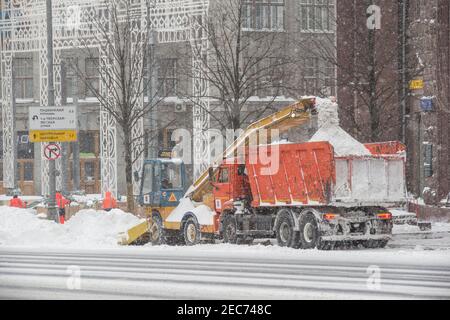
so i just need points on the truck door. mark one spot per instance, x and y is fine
(222, 188)
(150, 188)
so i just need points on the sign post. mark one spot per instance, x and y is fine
(52, 125)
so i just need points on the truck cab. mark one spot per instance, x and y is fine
(163, 184)
(229, 183)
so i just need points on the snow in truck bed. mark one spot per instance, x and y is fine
(329, 130)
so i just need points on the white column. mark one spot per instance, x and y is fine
(8, 121)
(108, 129)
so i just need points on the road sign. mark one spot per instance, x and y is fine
(416, 84)
(52, 151)
(53, 135)
(426, 104)
(53, 124)
(52, 118)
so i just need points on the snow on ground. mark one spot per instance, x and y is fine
(329, 130)
(204, 215)
(88, 228)
(88, 199)
(99, 229)
(4, 197)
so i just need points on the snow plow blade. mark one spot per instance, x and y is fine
(133, 234)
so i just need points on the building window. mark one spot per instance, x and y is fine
(71, 65)
(428, 160)
(269, 76)
(310, 75)
(92, 76)
(23, 74)
(25, 149)
(328, 84)
(88, 141)
(28, 171)
(318, 77)
(316, 15)
(263, 15)
(167, 77)
(89, 171)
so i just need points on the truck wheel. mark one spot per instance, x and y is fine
(309, 232)
(284, 229)
(191, 232)
(229, 230)
(157, 231)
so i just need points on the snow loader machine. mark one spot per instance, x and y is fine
(306, 198)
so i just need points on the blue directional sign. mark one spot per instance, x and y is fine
(426, 104)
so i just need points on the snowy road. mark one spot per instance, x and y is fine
(222, 272)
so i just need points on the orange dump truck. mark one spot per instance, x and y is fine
(306, 197)
(302, 194)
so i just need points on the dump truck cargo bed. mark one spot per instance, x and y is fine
(308, 174)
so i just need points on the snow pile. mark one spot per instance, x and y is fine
(329, 130)
(86, 229)
(203, 213)
(88, 199)
(327, 112)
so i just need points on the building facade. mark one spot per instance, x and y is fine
(295, 22)
(393, 83)
(429, 105)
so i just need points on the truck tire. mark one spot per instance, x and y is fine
(309, 232)
(284, 230)
(157, 234)
(229, 230)
(191, 232)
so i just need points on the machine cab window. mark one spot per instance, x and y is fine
(162, 175)
(171, 176)
(223, 176)
(151, 174)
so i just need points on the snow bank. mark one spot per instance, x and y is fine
(88, 199)
(4, 197)
(329, 130)
(87, 228)
(203, 213)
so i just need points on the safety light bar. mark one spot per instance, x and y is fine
(384, 216)
(330, 216)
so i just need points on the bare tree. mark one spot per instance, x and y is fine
(124, 44)
(368, 70)
(239, 63)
